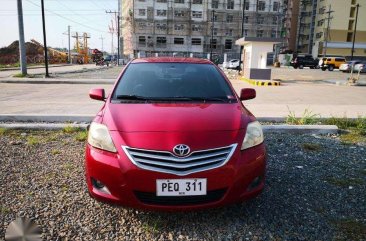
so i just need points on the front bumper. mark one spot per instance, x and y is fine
(241, 178)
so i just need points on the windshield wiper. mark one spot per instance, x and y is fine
(131, 97)
(204, 99)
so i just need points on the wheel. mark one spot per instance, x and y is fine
(323, 69)
(301, 66)
(331, 68)
(311, 67)
(317, 67)
(295, 67)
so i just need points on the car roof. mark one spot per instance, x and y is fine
(171, 60)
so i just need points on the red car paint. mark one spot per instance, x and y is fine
(161, 126)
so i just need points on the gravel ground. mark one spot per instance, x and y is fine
(315, 191)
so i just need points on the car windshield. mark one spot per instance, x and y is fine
(172, 82)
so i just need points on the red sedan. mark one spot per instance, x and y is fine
(174, 135)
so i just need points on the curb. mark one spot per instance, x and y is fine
(41, 126)
(262, 82)
(48, 118)
(292, 129)
(58, 81)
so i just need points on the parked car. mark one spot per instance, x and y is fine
(233, 64)
(347, 67)
(174, 135)
(361, 66)
(304, 61)
(332, 63)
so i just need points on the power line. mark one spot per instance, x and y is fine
(81, 24)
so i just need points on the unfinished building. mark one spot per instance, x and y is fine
(182, 27)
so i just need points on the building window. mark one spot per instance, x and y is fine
(246, 19)
(320, 22)
(161, 26)
(142, 12)
(161, 1)
(178, 27)
(273, 33)
(213, 43)
(319, 35)
(196, 14)
(247, 5)
(196, 28)
(322, 10)
(260, 33)
(142, 26)
(261, 5)
(215, 31)
(246, 32)
(229, 32)
(274, 20)
(197, 1)
(228, 44)
(179, 41)
(142, 40)
(178, 1)
(178, 13)
(230, 4)
(196, 41)
(260, 20)
(161, 13)
(160, 41)
(215, 4)
(229, 18)
(215, 17)
(276, 6)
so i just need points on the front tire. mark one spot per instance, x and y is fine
(301, 66)
(331, 68)
(323, 69)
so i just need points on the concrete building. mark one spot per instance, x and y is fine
(315, 38)
(182, 27)
(291, 16)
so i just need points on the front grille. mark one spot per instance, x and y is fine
(164, 161)
(151, 198)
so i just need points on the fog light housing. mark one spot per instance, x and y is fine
(100, 186)
(255, 183)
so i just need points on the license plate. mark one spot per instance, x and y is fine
(181, 187)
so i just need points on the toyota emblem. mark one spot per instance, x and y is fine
(181, 150)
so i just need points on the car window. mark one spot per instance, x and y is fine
(176, 80)
(329, 59)
(340, 59)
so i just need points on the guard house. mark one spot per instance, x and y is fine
(255, 56)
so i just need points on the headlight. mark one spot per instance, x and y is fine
(253, 136)
(99, 137)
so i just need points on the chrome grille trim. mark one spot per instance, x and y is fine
(167, 162)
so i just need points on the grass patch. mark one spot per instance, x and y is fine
(344, 182)
(4, 210)
(307, 118)
(311, 147)
(353, 137)
(3, 131)
(71, 129)
(81, 136)
(351, 228)
(33, 140)
(20, 75)
(55, 152)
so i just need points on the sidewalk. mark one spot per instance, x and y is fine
(67, 99)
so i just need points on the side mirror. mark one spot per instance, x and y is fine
(97, 94)
(247, 94)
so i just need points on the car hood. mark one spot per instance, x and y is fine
(175, 117)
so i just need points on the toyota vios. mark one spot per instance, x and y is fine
(174, 135)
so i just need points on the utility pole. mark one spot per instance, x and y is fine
(117, 18)
(22, 50)
(354, 32)
(212, 33)
(101, 37)
(69, 53)
(327, 34)
(242, 35)
(44, 39)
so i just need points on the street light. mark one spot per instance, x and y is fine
(354, 33)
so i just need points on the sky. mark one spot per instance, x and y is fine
(82, 15)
